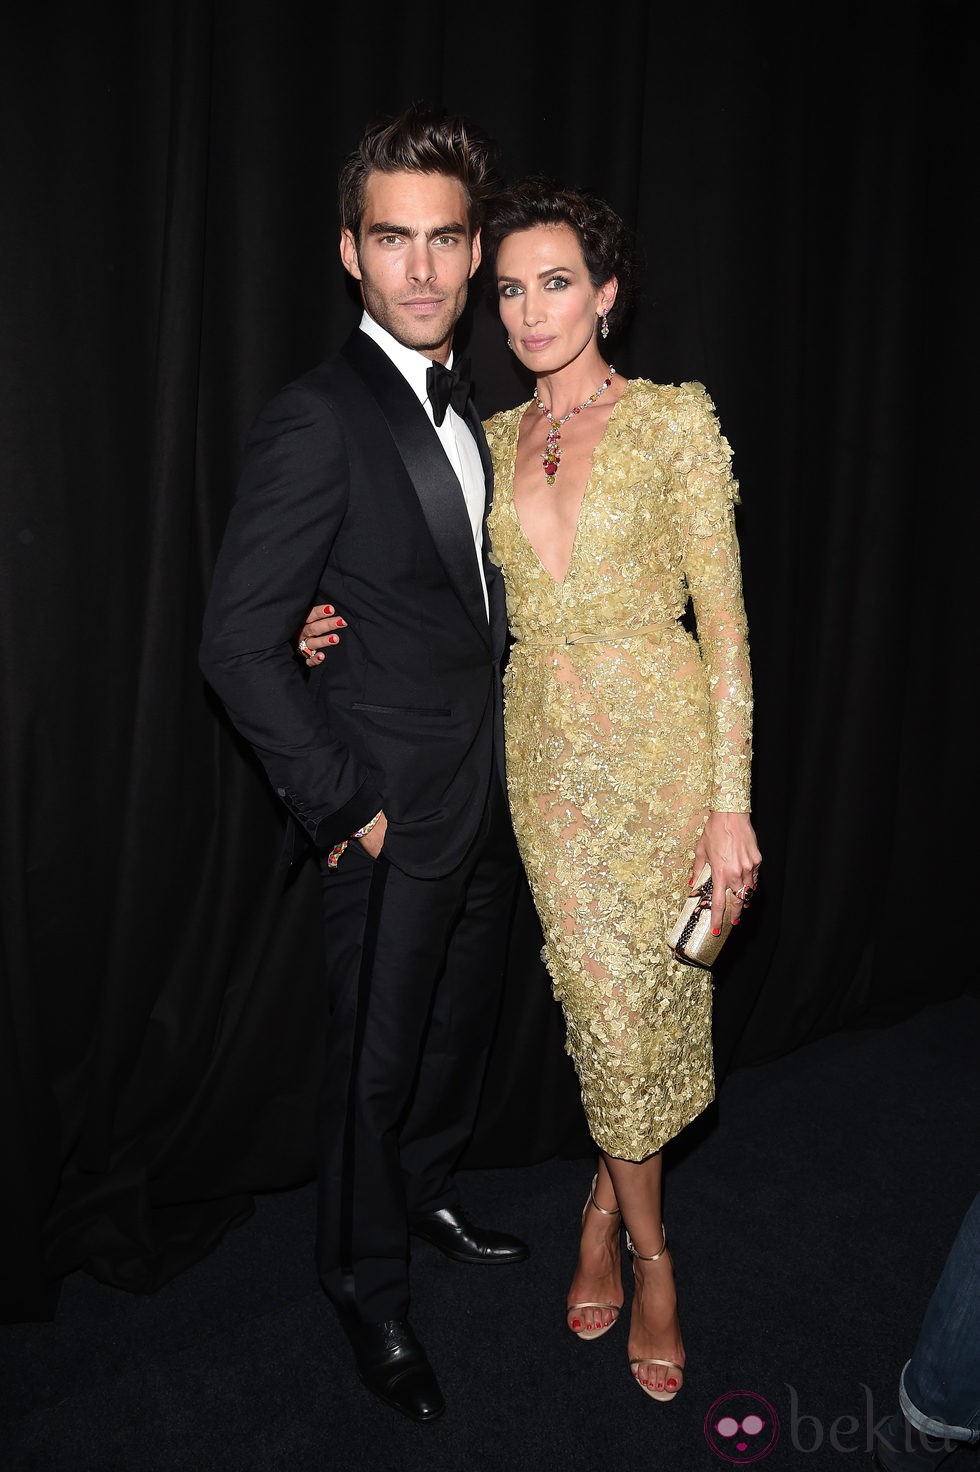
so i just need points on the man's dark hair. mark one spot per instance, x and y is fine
(607, 243)
(421, 141)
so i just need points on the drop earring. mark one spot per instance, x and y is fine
(604, 329)
(510, 343)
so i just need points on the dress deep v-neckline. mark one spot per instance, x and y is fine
(560, 582)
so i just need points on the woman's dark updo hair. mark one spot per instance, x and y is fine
(607, 244)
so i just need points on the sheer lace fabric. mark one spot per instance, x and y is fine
(618, 744)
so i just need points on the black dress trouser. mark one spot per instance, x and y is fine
(415, 970)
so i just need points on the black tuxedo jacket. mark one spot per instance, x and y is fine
(347, 496)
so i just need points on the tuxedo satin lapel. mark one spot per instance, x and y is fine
(495, 589)
(435, 482)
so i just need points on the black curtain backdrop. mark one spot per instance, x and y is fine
(798, 177)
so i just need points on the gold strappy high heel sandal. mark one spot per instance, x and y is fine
(654, 1394)
(594, 1333)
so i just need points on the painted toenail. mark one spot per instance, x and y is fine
(576, 1323)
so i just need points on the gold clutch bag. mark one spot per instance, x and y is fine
(690, 937)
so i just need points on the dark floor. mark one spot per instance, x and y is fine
(808, 1227)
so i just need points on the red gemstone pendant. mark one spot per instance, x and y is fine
(552, 455)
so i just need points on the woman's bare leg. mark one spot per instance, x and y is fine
(654, 1330)
(599, 1276)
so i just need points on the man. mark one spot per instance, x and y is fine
(939, 1389)
(358, 480)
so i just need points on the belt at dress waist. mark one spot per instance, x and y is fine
(601, 636)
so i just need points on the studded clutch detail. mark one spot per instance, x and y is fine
(690, 937)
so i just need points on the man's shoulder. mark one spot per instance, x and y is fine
(330, 388)
(353, 390)
(357, 364)
(331, 376)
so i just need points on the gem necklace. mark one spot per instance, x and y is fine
(552, 455)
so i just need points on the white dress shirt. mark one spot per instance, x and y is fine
(454, 433)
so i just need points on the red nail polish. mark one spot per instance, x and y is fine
(671, 1384)
(328, 608)
(341, 623)
(576, 1323)
(734, 923)
(716, 932)
(332, 639)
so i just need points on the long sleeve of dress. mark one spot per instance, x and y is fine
(706, 494)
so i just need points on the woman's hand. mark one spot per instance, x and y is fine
(729, 845)
(319, 630)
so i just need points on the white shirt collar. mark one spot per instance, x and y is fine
(411, 364)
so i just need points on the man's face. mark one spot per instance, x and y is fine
(414, 258)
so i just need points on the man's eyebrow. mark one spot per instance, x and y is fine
(385, 228)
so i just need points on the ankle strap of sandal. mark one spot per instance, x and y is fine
(615, 1211)
(656, 1256)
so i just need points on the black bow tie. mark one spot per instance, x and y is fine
(448, 386)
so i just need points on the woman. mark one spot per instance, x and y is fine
(628, 742)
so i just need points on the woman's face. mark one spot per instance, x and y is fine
(547, 301)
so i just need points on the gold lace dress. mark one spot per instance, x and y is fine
(622, 732)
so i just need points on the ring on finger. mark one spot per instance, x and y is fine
(304, 648)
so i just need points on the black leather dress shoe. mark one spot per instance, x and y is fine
(458, 1238)
(393, 1366)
